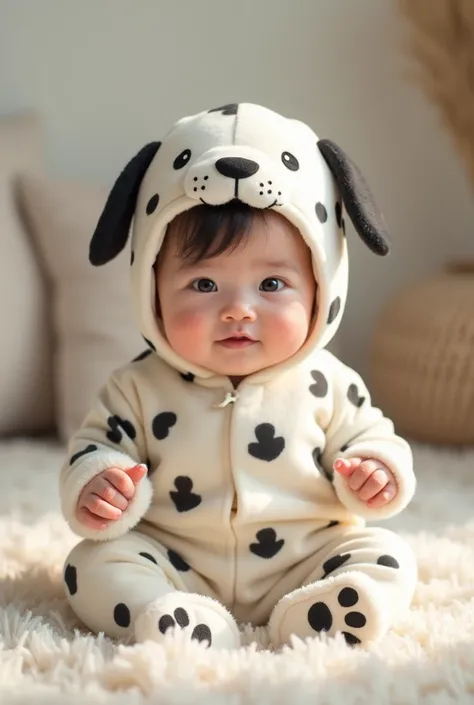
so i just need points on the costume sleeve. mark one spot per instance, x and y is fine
(358, 429)
(111, 436)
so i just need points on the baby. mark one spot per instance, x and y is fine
(227, 473)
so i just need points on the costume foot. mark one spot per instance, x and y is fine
(203, 618)
(347, 603)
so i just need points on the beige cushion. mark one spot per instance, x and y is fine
(92, 310)
(26, 391)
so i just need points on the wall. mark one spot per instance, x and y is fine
(108, 75)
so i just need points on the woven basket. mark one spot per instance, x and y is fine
(422, 358)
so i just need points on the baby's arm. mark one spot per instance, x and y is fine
(111, 436)
(359, 430)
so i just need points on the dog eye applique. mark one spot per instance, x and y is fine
(182, 159)
(290, 161)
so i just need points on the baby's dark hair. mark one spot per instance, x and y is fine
(205, 231)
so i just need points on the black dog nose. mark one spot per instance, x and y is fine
(237, 167)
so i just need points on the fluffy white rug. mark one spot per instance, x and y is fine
(46, 657)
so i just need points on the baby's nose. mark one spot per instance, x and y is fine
(238, 311)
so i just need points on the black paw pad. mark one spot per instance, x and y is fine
(162, 423)
(320, 617)
(201, 632)
(70, 578)
(267, 545)
(351, 640)
(348, 597)
(184, 498)
(268, 446)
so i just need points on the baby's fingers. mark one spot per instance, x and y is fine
(346, 466)
(92, 521)
(98, 506)
(383, 497)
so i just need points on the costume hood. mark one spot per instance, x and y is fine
(246, 152)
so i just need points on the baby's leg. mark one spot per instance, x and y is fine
(127, 587)
(364, 579)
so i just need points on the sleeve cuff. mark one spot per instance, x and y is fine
(402, 469)
(74, 481)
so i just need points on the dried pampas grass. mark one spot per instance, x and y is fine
(441, 42)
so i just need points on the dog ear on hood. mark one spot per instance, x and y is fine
(368, 221)
(113, 227)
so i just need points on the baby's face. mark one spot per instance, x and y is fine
(244, 310)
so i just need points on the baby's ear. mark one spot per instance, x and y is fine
(358, 201)
(113, 227)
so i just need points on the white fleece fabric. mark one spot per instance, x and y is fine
(240, 499)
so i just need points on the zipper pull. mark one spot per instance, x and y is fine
(230, 398)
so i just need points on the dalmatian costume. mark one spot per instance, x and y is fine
(240, 517)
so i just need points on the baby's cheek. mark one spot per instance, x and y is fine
(292, 324)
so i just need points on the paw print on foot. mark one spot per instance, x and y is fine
(338, 615)
(201, 632)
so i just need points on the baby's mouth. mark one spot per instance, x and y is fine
(237, 341)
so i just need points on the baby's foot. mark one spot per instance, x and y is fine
(348, 603)
(203, 618)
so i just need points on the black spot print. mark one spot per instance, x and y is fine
(182, 159)
(344, 447)
(178, 562)
(355, 619)
(152, 204)
(290, 161)
(132, 258)
(389, 561)
(201, 632)
(184, 498)
(188, 377)
(321, 212)
(320, 617)
(335, 562)
(142, 356)
(230, 109)
(89, 449)
(149, 343)
(148, 556)
(353, 396)
(338, 209)
(267, 545)
(332, 523)
(268, 446)
(116, 425)
(348, 597)
(122, 615)
(70, 578)
(320, 386)
(317, 453)
(334, 309)
(162, 423)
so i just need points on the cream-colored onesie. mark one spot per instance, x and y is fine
(240, 518)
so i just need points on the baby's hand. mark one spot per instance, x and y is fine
(370, 479)
(107, 495)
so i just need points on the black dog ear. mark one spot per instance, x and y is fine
(111, 233)
(357, 198)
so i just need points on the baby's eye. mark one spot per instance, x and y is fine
(205, 286)
(271, 284)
